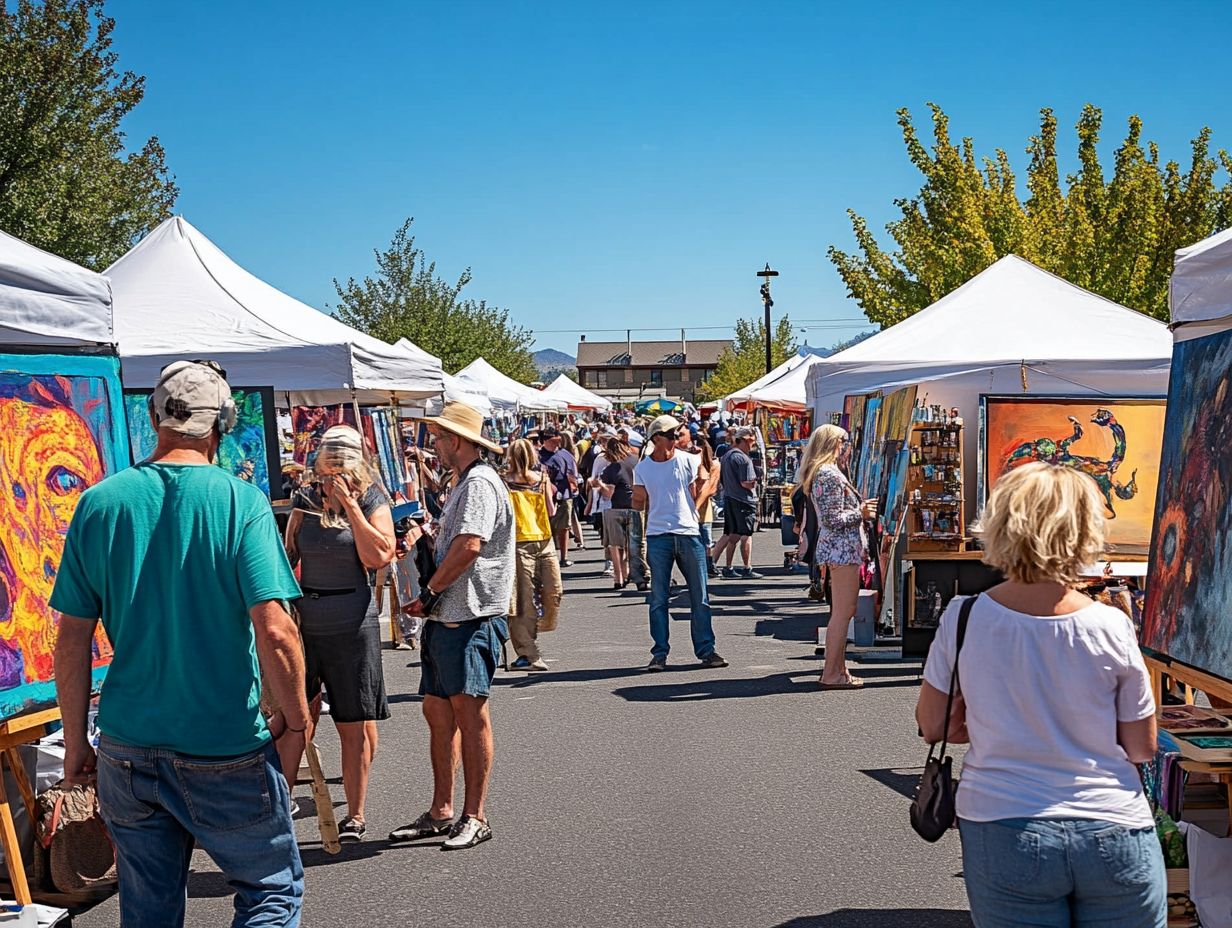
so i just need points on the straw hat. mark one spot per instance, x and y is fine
(465, 422)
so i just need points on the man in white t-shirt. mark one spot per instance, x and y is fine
(667, 484)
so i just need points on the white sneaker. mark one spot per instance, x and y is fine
(608, 570)
(467, 832)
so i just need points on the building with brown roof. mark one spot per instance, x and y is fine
(629, 371)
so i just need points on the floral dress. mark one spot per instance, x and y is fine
(840, 539)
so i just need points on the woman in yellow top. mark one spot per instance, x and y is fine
(537, 570)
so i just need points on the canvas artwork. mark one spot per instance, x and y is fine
(309, 423)
(862, 467)
(382, 430)
(1115, 442)
(1188, 614)
(249, 451)
(61, 432)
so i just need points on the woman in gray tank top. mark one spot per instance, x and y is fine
(341, 528)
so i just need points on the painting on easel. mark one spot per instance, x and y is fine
(1188, 613)
(309, 423)
(61, 432)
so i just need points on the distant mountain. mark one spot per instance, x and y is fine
(551, 359)
(551, 362)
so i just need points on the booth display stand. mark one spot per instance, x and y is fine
(25, 729)
(937, 518)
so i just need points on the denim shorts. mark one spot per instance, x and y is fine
(1063, 872)
(461, 661)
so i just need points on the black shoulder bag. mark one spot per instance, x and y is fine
(932, 809)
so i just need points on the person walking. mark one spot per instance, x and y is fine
(561, 469)
(668, 486)
(183, 565)
(579, 507)
(739, 481)
(840, 545)
(616, 486)
(465, 602)
(1056, 703)
(537, 571)
(340, 529)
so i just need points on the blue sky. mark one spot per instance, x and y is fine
(604, 166)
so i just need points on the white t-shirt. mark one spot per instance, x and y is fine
(602, 503)
(670, 508)
(1044, 695)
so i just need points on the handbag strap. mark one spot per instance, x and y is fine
(964, 613)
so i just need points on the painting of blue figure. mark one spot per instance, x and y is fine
(249, 451)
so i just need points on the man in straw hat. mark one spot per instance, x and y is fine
(465, 603)
(183, 564)
(666, 485)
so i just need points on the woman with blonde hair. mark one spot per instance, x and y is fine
(1052, 694)
(840, 541)
(341, 528)
(536, 567)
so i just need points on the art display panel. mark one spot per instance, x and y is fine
(249, 451)
(1188, 613)
(309, 423)
(61, 432)
(1115, 442)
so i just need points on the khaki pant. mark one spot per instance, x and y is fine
(536, 568)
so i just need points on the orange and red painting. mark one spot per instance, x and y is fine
(1115, 442)
(57, 439)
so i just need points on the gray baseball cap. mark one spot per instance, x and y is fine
(189, 397)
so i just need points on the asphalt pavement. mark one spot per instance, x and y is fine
(733, 798)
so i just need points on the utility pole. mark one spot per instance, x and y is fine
(765, 298)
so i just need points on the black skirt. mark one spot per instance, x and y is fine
(349, 665)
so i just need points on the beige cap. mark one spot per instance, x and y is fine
(663, 424)
(192, 397)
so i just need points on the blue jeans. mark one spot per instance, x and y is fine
(687, 553)
(1063, 872)
(156, 803)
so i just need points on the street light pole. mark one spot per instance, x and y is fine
(765, 298)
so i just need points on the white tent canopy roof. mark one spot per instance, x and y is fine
(742, 395)
(1012, 314)
(178, 295)
(577, 396)
(1201, 285)
(48, 301)
(789, 391)
(504, 391)
(455, 389)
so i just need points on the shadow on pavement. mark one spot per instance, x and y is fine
(883, 918)
(569, 676)
(771, 685)
(903, 780)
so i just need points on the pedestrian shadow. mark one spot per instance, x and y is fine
(903, 780)
(569, 676)
(790, 626)
(313, 855)
(883, 918)
(208, 884)
(720, 688)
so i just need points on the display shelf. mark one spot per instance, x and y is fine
(936, 521)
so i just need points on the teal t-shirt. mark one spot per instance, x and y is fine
(171, 557)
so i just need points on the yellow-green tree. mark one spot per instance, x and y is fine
(1115, 237)
(745, 360)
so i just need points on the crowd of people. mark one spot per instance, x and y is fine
(197, 589)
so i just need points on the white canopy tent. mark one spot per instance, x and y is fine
(505, 392)
(1013, 329)
(1200, 291)
(48, 302)
(577, 396)
(788, 391)
(177, 295)
(455, 389)
(741, 396)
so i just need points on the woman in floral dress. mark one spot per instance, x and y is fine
(840, 541)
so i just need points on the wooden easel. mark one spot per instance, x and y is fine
(1191, 679)
(25, 729)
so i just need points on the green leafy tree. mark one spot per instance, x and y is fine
(1115, 237)
(745, 360)
(406, 299)
(67, 183)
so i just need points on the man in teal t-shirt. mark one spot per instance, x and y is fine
(183, 565)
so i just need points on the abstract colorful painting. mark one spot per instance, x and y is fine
(1188, 613)
(311, 422)
(1115, 442)
(249, 451)
(61, 432)
(383, 432)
